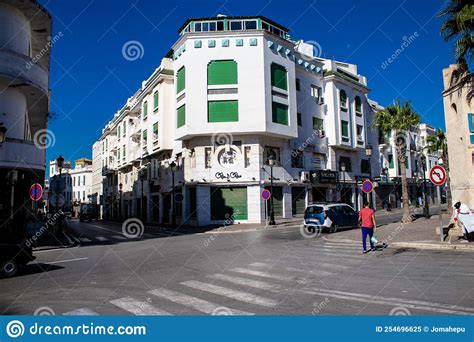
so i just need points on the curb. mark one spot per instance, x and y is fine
(434, 246)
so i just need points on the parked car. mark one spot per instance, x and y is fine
(88, 211)
(340, 215)
(14, 256)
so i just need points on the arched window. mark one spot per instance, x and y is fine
(343, 99)
(358, 105)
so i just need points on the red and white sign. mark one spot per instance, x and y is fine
(438, 175)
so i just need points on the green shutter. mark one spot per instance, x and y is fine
(145, 136)
(222, 111)
(124, 128)
(181, 117)
(180, 80)
(155, 128)
(345, 128)
(280, 113)
(229, 203)
(145, 110)
(390, 161)
(222, 72)
(279, 76)
(318, 123)
(155, 100)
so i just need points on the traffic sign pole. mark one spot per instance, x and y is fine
(438, 178)
(440, 213)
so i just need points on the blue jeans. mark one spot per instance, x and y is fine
(370, 233)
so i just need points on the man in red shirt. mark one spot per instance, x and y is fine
(367, 225)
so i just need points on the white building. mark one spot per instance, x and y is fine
(233, 90)
(82, 181)
(24, 106)
(65, 172)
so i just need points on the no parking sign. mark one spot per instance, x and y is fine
(367, 186)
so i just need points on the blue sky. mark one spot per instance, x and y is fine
(90, 79)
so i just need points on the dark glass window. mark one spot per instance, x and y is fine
(197, 27)
(212, 26)
(251, 25)
(235, 25)
(220, 26)
(265, 26)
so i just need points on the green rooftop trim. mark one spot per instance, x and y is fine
(344, 77)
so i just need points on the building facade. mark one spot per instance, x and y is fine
(24, 106)
(458, 113)
(232, 92)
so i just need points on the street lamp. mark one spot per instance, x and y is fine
(343, 169)
(3, 131)
(120, 201)
(368, 153)
(271, 163)
(426, 209)
(174, 167)
(142, 179)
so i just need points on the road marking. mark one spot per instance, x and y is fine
(244, 281)
(81, 312)
(234, 294)
(193, 302)
(138, 308)
(410, 304)
(341, 246)
(262, 274)
(84, 240)
(101, 238)
(293, 269)
(62, 261)
(321, 264)
(120, 237)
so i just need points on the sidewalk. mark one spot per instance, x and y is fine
(47, 241)
(420, 234)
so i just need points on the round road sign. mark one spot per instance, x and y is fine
(36, 192)
(367, 186)
(265, 194)
(437, 175)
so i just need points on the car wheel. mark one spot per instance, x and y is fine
(334, 228)
(9, 268)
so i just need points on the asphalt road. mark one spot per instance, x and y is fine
(272, 272)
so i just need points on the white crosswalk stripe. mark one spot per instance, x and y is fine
(81, 312)
(244, 281)
(321, 264)
(230, 293)
(119, 237)
(101, 238)
(84, 240)
(137, 307)
(195, 303)
(261, 274)
(305, 270)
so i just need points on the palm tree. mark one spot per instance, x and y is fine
(398, 119)
(458, 26)
(438, 143)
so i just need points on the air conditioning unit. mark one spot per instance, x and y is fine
(320, 100)
(304, 176)
(321, 133)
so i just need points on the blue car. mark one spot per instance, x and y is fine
(331, 216)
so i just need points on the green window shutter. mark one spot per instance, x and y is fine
(180, 80)
(145, 110)
(124, 129)
(145, 136)
(279, 76)
(155, 128)
(229, 203)
(119, 134)
(279, 113)
(222, 111)
(345, 128)
(318, 123)
(123, 151)
(181, 117)
(390, 161)
(222, 72)
(155, 100)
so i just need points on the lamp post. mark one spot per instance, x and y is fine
(120, 201)
(426, 209)
(343, 192)
(173, 166)
(271, 163)
(368, 153)
(142, 179)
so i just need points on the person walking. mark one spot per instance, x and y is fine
(367, 226)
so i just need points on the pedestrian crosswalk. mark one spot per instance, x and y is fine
(255, 287)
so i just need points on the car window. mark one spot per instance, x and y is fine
(314, 210)
(348, 210)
